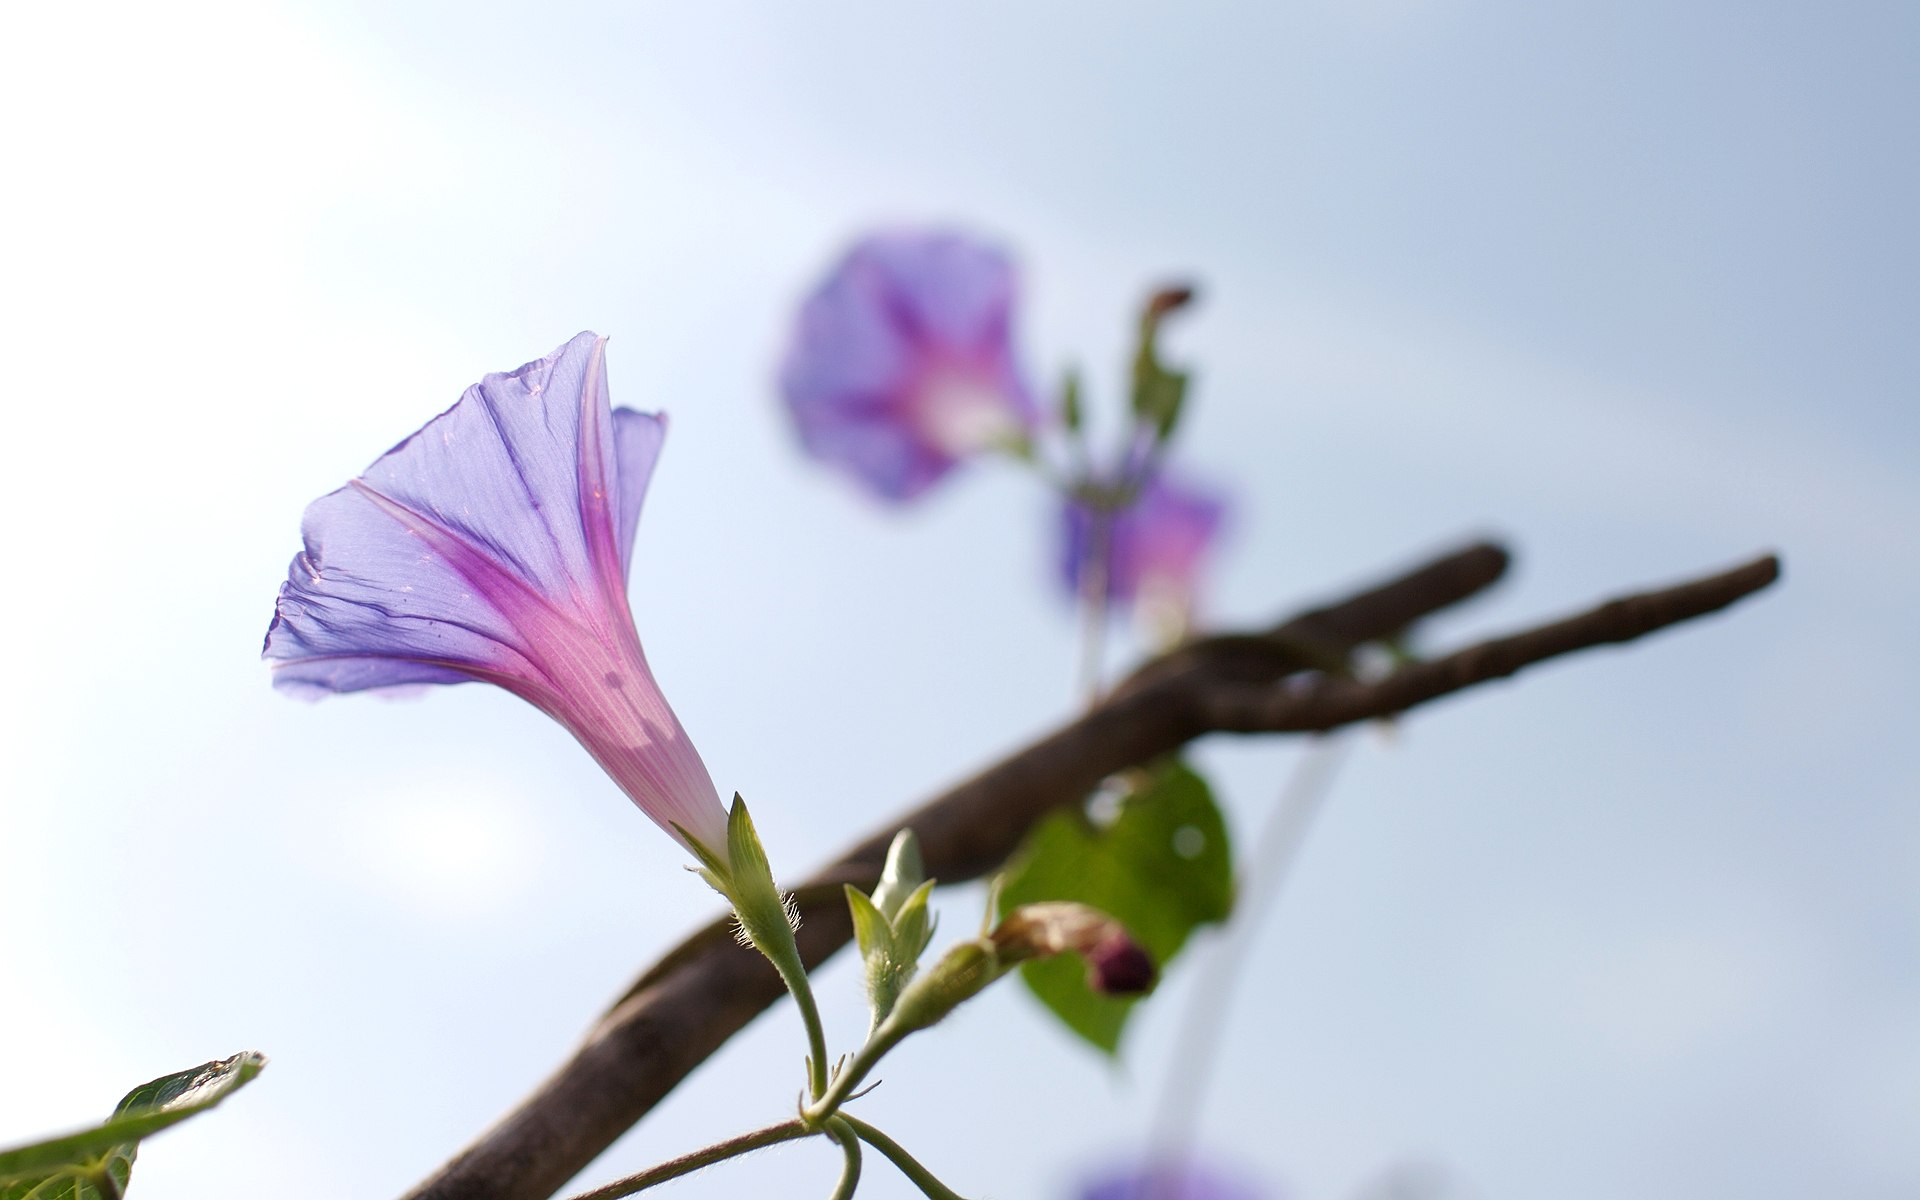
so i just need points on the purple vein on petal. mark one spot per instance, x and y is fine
(500, 588)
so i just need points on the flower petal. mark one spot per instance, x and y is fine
(941, 289)
(902, 361)
(368, 605)
(1162, 540)
(484, 526)
(501, 469)
(637, 438)
(493, 545)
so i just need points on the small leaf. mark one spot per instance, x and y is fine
(1162, 867)
(93, 1164)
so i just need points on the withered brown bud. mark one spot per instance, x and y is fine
(1116, 964)
(1167, 299)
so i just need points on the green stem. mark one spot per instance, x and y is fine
(896, 1154)
(743, 875)
(825, 1105)
(793, 972)
(1094, 590)
(840, 1131)
(108, 1187)
(785, 1131)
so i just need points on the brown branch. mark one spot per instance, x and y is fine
(1292, 677)
(1323, 702)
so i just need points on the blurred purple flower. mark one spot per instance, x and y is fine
(902, 361)
(1156, 547)
(493, 545)
(1169, 1181)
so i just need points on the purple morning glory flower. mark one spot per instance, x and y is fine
(1156, 547)
(902, 361)
(493, 545)
(1169, 1181)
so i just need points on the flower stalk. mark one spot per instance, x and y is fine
(745, 878)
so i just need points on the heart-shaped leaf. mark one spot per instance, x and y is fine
(1162, 867)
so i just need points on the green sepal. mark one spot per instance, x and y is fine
(749, 884)
(871, 932)
(894, 926)
(914, 924)
(1162, 868)
(887, 970)
(97, 1162)
(747, 857)
(712, 868)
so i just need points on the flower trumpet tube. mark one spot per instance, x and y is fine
(494, 545)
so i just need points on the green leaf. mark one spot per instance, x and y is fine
(1159, 395)
(93, 1164)
(1162, 867)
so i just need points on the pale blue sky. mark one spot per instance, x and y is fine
(1631, 286)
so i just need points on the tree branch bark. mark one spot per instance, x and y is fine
(1290, 678)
